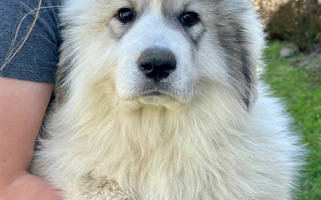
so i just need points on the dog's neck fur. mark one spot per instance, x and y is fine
(137, 147)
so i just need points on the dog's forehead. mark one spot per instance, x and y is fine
(161, 5)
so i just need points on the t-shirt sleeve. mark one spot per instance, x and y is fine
(37, 59)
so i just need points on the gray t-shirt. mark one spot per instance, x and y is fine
(38, 58)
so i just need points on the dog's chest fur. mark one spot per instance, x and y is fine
(158, 154)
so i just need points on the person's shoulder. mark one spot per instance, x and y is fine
(28, 4)
(36, 3)
(52, 2)
(17, 9)
(30, 39)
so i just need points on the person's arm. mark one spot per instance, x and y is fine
(22, 108)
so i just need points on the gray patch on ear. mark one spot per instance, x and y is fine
(246, 68)
(233, 39)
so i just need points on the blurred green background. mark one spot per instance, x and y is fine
(293, 70)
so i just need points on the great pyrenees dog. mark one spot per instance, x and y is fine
(160, 100)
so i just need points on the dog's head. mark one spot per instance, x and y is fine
(160, 52)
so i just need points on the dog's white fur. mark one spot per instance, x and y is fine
(106, 140)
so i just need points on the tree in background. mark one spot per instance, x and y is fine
(298, 21)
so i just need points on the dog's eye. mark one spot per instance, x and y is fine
(189, 18)
(126, 15)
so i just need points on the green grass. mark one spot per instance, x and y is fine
(302, 94)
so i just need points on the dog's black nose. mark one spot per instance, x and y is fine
(157, 64)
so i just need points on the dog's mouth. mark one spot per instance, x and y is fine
(156, 96)
(156, 90)
(162, 94)
(155, 93)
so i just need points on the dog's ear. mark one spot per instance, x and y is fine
(244, 70)
(243, 57)
(242, 38)
(248, 78)
(247, 67)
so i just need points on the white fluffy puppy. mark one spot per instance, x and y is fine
(159, 100)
